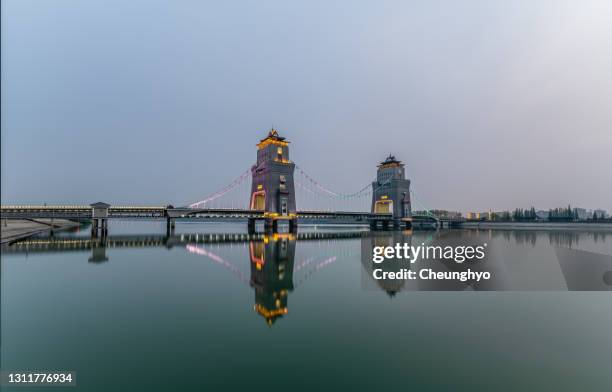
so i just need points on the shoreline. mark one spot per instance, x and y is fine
(12, 230)
(536, 225)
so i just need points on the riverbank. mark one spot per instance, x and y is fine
(537, 225)
(15, 229)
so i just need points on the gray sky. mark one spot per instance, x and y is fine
(491, 104)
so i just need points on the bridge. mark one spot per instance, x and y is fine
(266, 192)
(171, 214)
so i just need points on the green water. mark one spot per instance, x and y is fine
(204, 316)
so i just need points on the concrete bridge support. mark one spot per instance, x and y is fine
(381, 224)
(251, 226)
(99, 219)
(399, 224)
(99, 227)
(293, 225)
(94, 228)
(271, 225)
(170, 226)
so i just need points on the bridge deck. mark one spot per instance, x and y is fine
(152, 212)
(79, 212)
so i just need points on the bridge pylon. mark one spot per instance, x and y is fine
(272, 188)
(391, 193)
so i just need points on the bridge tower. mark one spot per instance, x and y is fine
(272, 189)
(391, 192)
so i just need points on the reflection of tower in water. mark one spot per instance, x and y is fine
(384, 239)
(98, 251)
(272, 274)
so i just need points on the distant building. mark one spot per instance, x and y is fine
(541, 214)
(479, 215)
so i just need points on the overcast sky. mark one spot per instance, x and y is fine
(490, 104)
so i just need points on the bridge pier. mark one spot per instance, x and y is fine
(170, 226)
(400, 224)
(99, 226)
(270, 225)
(99, 218)
(251, 226)
(378, 224)
(293, 225)
(386, 224)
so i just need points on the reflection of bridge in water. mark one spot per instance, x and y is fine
(270, 267)
(273, 271)
(66, 244)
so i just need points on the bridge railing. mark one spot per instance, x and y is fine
(77, 211)
(31, 212)
(81, 212)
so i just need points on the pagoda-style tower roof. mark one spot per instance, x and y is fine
(270, 315)
(272, 138)
(390, 161)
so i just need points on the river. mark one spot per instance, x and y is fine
(211, 310)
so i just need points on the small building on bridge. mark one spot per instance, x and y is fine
(99, 217)
(99, 210)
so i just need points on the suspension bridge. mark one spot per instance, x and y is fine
(269, 191)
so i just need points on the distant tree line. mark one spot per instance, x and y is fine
(503, 216)
(599, 218)
(563, 214)
(521, 215)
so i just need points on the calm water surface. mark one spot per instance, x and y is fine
(195, 313)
